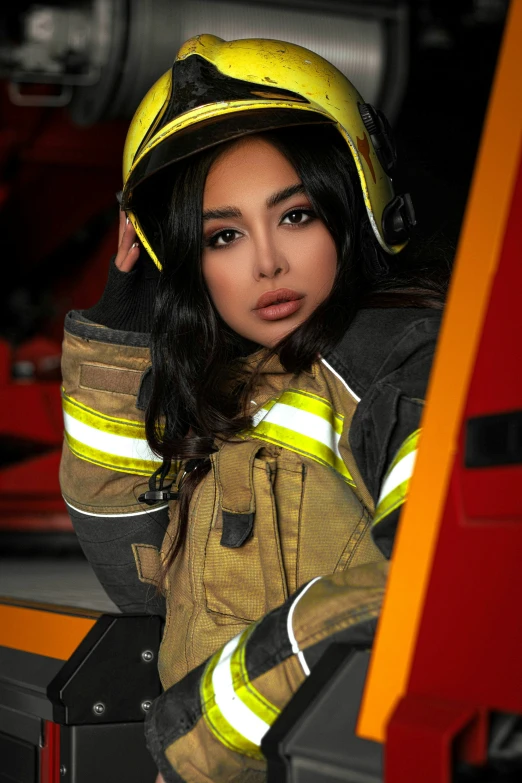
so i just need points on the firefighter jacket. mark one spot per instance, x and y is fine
(289, 533)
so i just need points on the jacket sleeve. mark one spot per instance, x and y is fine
(385, 432)
(106, 461)
(209, 726)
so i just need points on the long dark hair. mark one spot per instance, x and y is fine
(198, 389)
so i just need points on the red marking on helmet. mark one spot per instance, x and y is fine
(363, 145)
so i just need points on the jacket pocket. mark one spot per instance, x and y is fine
(244, 574)
(360, 548)
(148, 563)
(333, 526)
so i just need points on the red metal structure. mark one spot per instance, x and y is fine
(449, 650)
(54, 179)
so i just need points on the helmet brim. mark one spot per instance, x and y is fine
(210, 132)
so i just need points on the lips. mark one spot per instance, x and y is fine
(277, 297)
(275, 305)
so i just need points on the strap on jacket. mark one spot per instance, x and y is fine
(234, 472)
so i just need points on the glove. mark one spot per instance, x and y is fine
(127, 303)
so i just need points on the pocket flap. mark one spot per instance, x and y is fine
(234, 466)
(148, 563)
(236, 529)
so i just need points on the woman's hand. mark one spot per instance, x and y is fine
(128, 248)
(160, 779)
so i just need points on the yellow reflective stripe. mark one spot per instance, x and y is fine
(237, 714)
(408, 445)
(249, 695)
(392, 501)
(298, 431)
(313, 404)
(109, 442)
(302, 444)
(394, 489)
(123, 427)
(111, 461)
(219, 726)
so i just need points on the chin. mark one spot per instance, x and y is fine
(269, 342)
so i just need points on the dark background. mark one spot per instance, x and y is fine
(453, 49)
(58, 226)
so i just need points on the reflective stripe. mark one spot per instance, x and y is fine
(123, 427)
(112, 443)
(290, 628)
(116, 515)
(351, 391)
(303, 423)
(235, 712)
(215, 720)
(315, 405)
(397, 479)
(250, 696)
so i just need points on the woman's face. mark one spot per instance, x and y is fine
(268, 260)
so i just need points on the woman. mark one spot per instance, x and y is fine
(290, 352)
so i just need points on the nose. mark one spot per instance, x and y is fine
(269, 259)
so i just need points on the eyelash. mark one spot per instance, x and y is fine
(211, 241)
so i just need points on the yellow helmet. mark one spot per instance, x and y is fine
(219, 90)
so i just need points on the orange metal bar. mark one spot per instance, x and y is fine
(477, 258)
(52, 634)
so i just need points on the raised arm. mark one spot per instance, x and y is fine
(106, 462)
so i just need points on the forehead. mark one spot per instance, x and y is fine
(252, 165)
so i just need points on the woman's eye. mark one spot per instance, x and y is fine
(298, 217)
(222, 238)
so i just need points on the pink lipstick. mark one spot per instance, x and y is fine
(273, 305)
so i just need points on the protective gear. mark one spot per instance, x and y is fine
(220, 90)
(329, 450)
(127, 302)
(267, 518)
(384, 360)
(219, 715)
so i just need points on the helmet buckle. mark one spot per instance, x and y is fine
(398, 218)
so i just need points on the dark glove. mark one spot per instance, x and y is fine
(127, 303)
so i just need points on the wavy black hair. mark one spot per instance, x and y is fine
(198, 390)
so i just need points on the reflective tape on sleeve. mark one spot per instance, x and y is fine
(112, 443)
(303, 423)
(395, 485)
(290, 628)
(237, 714)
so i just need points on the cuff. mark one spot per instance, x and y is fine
(127, 303)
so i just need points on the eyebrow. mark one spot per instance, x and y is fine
(282, 195)
(272, 201)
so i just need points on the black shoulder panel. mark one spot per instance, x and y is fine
(379, 340)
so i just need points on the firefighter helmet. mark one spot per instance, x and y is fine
(220, 90)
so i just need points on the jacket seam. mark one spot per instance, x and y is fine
(79, 326)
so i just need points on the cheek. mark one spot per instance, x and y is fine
(321, 257)
(221, 283)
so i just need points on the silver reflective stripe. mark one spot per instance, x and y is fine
(350, 390)
(118, 514)
(290, 628)
(233, 709)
